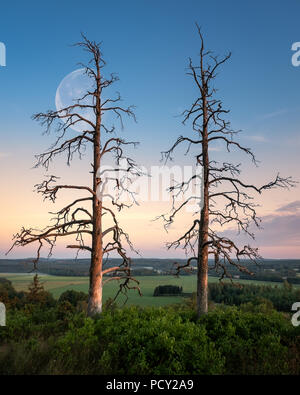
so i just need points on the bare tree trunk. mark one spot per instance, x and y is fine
(96, 280)
(96, 283)
(202, 273)
(202, 261)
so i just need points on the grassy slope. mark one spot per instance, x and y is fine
(57, 284)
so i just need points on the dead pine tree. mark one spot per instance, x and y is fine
(83, 217)
(226, 198)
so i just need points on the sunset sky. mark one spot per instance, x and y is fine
(148, 44)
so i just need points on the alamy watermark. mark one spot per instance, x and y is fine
(2, 54)
(296, 317)
(155, 184)
(296, 55)
(2, 314)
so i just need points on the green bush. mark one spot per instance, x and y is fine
(250, 339)
(155, 341)
(30, 356)
(250, 342)
(73, 297)
(9, 296)
(139, 341)
(37, 294)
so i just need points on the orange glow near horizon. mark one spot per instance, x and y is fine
(21, 206)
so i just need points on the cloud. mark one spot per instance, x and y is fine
(274, 114)
(258, 138)
(292, 207)
(279, 229)
(4, 155)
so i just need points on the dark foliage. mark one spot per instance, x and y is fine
(282, 298)
(167, 290)
(73, 297)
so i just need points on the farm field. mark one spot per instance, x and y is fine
(58, 284)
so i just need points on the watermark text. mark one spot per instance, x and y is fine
(2, 54)
(296, 55)
(296, 317)
(2, 314)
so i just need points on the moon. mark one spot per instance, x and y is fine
(73, 87)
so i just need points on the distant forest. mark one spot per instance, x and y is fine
(267, 270)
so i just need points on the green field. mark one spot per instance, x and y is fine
(57, 284)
